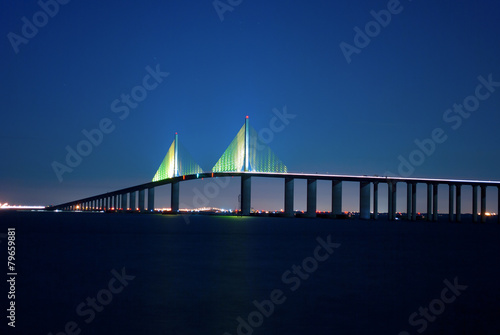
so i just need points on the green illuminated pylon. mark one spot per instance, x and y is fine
(176, 163)
(247, 152)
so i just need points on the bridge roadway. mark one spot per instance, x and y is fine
(119, 199)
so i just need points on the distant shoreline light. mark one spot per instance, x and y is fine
(7, 206)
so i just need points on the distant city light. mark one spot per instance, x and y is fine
(7, 206)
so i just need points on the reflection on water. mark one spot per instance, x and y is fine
(208, 276)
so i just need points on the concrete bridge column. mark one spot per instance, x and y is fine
(124, 204)
(105, 203)
(498, 208)
(394, 199)
(408, 201)
(458, 203)
(289, 192)
(151, 199)
(117, 202)
(474, 203)
(311, 197)
(141, 200)
(174, 197)
(390, 210)
(375, 200)
(451, 204)
(364, 200)
(429, 202)
(246, 194)
(435, 202)
(483, 203)
(413, 201)
(336, 197)
(132, 203)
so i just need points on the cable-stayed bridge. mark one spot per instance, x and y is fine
(247, 156)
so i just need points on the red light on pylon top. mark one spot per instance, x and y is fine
(247, 117)
(175, 133)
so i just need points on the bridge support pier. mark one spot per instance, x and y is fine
(174, 197)
(458, 203)
(289, 192)
(124, 202)
(483, 203)
(246, 194)
(451, 203)
(117, 202)
(429, 202)
(375, 200)
(141, 200)
(408, 201)
(391, 196)
(435, 202)
(364, 200)
(414, 202)
(498, 208)
(132, 203)
(474, 203)
(151, 199)
(311, 197)
(337, 197)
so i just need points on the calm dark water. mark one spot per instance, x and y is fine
(199, 278)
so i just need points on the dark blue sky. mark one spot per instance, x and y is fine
(351, 118)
